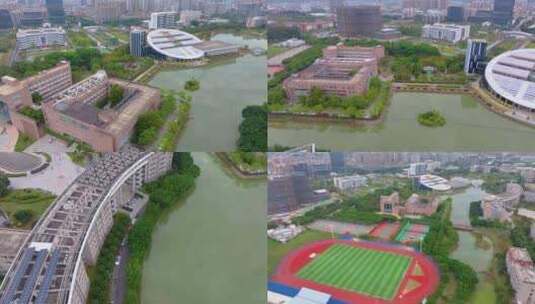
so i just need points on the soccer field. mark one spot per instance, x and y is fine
(366, 271)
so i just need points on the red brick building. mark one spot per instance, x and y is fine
(342, 71)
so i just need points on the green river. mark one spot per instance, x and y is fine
(211, 248)
(468, 250)
(469, 127)
(227, 87)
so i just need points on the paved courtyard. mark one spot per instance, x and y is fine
(55, 178)
(48, 144)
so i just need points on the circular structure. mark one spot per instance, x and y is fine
(360, 271)
(511, 77)
(434, 182)
(18, 162)
(175, 44)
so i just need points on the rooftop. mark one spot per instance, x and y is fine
(512, 76)
(175, 44)
(435, 182)
(11, 240)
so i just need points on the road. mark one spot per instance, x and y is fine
(118, 285)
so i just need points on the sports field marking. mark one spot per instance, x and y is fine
(366, 271)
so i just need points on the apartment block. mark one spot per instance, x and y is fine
(40, 37)
(446, 32)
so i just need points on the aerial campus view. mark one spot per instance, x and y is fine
(163, 76)
(120, 229)
(401, 75)
(392, 227)
(247, 151)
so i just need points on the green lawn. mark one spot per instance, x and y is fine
(23, 142)
(275, 50)
(276, 250)
(34, 200)
(80, 39)
(374, 273)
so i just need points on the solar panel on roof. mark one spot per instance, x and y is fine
(21, 270)
(49, 275)
(30, 282)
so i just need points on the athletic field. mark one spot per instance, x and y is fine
(366, 271)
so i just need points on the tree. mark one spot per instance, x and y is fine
(192, 85)
(115, 95)
(36, 115)
(37, 98)
(4, 184)
(183, 162)
(253, 129)
(23, 216)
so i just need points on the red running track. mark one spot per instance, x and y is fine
(429, 279)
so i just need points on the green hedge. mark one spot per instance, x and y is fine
(99, 290)
(163, 194)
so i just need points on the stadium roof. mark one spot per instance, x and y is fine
(434, 182)
(175, 44)
(512, 76)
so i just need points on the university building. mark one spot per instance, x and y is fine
(71, 109)
(342, 71)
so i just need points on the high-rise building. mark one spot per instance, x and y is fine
(6, 20)
(138, 41)
(455, 14)
(503, 12)
(425, 4)
(417, 169)
(160, 20)
(476, 53)
(33, 17)
(56, 13)
(362, 20)
(335, 4)
(337, 161)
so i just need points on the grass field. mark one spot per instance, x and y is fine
(33, 200)
(366, 271)
(275, 50)
(276, 250)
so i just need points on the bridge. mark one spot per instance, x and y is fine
(51, 265)
(463, 227)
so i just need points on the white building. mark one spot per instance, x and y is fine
(349, 183)
(40, 37)
(447, 32)
(521, 274)
(160, 20)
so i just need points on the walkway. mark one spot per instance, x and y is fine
(55, 178)
(8, 137)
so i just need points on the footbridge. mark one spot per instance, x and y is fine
(51, 265)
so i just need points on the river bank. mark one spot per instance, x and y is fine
(236, 170)
(199, 242)
(469, 126)
(227, 87)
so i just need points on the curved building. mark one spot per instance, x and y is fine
(434, 182)
(511, 78)
(51, 267)
(175, 44)
(361, 20)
